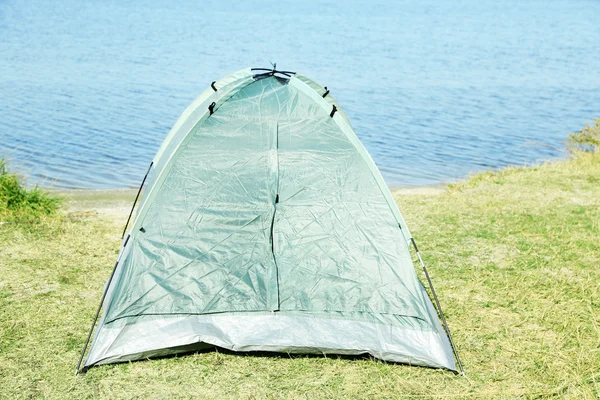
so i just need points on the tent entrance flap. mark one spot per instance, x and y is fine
(268, 205)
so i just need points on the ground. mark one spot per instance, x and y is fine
(514, 256)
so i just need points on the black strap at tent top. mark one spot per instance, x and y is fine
(271, 72)
(439, 308)
(326, 92)
(274, 71)
(333, 110)
(211, 108)
(212, 85)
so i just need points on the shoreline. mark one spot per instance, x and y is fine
(115, 194)
(116, 203)
(113, 204)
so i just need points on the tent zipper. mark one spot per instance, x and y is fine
(275, 307)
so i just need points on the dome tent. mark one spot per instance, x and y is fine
(266, 226)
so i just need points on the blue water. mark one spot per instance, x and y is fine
(434, 89)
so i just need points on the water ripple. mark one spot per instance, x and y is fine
(434, 90)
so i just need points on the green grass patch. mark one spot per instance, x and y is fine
(514, 255)
(586, 140)
(20, 204)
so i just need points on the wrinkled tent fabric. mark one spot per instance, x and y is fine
(266, 226)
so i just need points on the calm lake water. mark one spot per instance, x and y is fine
(88, 90)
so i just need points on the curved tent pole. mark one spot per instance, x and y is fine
(89, 336)
(77, 370)
(136, 199)
(439, 308)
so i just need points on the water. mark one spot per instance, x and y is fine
(88, 90)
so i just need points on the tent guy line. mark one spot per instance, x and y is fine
(438, 306)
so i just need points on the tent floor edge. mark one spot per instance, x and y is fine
(270, 333)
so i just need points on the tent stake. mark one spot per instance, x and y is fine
(439, 308)
(136, 199)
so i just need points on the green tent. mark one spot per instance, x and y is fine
(266, 226)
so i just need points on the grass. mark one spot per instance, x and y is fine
(17, 203)
(586, 140)
(514, 255)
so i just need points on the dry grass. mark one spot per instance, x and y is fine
(515, 257)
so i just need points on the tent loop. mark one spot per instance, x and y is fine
(333, 110)
(326, 92)
(439, 307)
(212, 85)
(136, 199)
(211, 108)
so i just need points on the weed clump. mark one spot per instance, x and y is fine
(586, 140)
(17, 202)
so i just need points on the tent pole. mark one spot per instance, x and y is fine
(136, 199)
(439, 308)
(77, 370)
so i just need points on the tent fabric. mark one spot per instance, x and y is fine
(266, 226)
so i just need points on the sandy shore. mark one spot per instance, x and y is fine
(418, 190)
(111, 204)
(116, 203)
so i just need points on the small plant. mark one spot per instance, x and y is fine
(586, 140)
(18, 202)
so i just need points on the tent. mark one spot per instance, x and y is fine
(266, 226)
